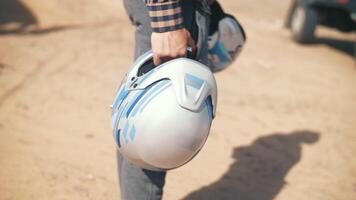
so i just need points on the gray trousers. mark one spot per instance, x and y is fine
(137, 183)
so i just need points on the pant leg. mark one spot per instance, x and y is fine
(137, 183)
(138, 14)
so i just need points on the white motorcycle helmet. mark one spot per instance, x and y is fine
(162, 115)
(226, 42)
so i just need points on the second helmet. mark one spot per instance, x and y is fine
(226, 39)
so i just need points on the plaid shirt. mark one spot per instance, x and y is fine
(166, 15)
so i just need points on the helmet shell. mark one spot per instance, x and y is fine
(162, 118)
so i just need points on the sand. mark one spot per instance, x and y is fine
(285, 124)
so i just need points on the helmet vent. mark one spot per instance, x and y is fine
(146, 67)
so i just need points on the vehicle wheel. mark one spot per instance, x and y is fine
(303, 23)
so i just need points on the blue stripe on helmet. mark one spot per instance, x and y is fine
(118, 138)
(209, 107)
(118, 115)
(121, 95)
(157, 87)
(125, 132)
(120, 112)
(153, 96)
(114, 120)
(138, 97)
(132, 133)
(131, 101)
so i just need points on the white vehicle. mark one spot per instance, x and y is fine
(305, 15)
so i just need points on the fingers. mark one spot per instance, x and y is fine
(182, 52)
(170, 45)
(161, 57)
(156, 59)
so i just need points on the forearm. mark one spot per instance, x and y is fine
(169, 38)
(166, 15)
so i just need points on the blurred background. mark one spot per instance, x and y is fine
(286, 118)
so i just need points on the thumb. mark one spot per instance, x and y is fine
(156, 59)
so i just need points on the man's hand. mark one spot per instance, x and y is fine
(170, 45)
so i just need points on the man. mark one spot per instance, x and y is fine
(167, 27)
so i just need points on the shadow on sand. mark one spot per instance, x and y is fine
(259, 170)
(345, 46)
(17, 18)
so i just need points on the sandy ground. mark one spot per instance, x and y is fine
(285, 125)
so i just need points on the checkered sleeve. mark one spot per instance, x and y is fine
(166, 15)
